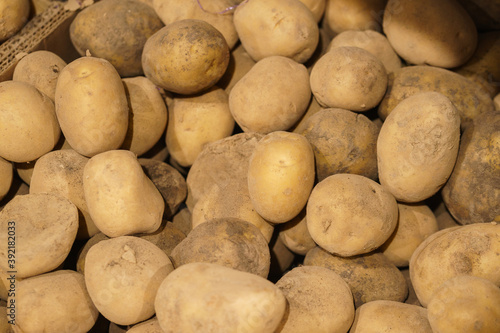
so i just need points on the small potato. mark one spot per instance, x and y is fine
(349, 78)
(185, 57)
(13, 15)
(122, 276)
(427, 32)
(281, 259)
(281, 176)
(272, 96)
(349, 214)
(121, 199)
(295, 236)
(91, 106)
(342, 15)
(195, 121)
(6, 176)
(28, 122)
(40, 69)
(465, 304)
(240, 63)
(148, 326)
(245, 302)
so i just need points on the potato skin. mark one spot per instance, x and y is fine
(13, 15)
(343, 15)
(6, 176)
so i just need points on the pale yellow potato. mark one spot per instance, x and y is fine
(240, 63)
(319, 300)
(317, 7)
(348, 214)
(436, 33)
(272, 96)
(418, 146)
(13, 16)
(295, 236)
(91, 106)
(465, 250)
(195, 121)
(148, 115)
(44, 226)
(244, 302)
(54, 302)
(40, 69)
(6, 176)
(416, 222)
(349, 78)
(385, 316)
(120, 198)
(29, 127)
(123, 275)
(277, 28)
(465, 304)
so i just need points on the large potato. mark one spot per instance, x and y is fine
(418, 146)
(13, 15)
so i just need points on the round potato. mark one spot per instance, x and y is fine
(295, 236)
(342, 15)
(13, 15)
(6, 176)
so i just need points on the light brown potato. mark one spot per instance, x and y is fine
(281, 176)
(185, 57)
(40, 69)
(343, 142)
(312, 109)
(240, 63)
(123, 275)
(277, 28)
(4, 324)
(44, 226)
(464, 250)
(148, 115)
(6, 176)
(319, 300)
(432, 33)
(317, 7)
(182, 220)
(13, 15)
(29, 127)
(349, 78)
(245, 302)
(370, 276)
(272, 96)
(228, 242)
(465, 304)
(295, 236)
(91, 106)
(418, 146)
(116, 189)
(412, 296)
(195, 121)
(384, 316)
(416, 222)
(148, 326)
(348, 214)
(54, 302)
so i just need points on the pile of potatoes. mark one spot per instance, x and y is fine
(255, 166)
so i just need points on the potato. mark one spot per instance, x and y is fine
(185, 57)
(371, 41)
(281, 176)
(4, 324)
(466, 250)
(416, 222)
(497, 102)
(295, 236)
(212, 12)
(465, 304)
(348, 214)
(281, 259)
(469, 99)
(182, 220)
(432, 33)
(348, 78)
(319, 300)
(43, 227)
(91, 106)
(196, 121)
(312, 109)
(96, 27)
(317, 7)
(228, 242)
(342, 15)
(121, 199)
(82, 254)
(148, 115)
(28, 122)
(343, 142)
(370, 276)
(272, 96)
(13, 15)
(40, 69)
(245, 302)
(385, 316)
(418, 146)
(148, 326)
(240, 63)
(277, 28)
(412, 296)
(471, 193)
(6, 176)
(54, 302)
(122, 276)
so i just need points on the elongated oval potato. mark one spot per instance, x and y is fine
(6, 176)
(13, 15)
(245, 302)
(418, 146)
(121, 199)
(28, 122)
(91, 106)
